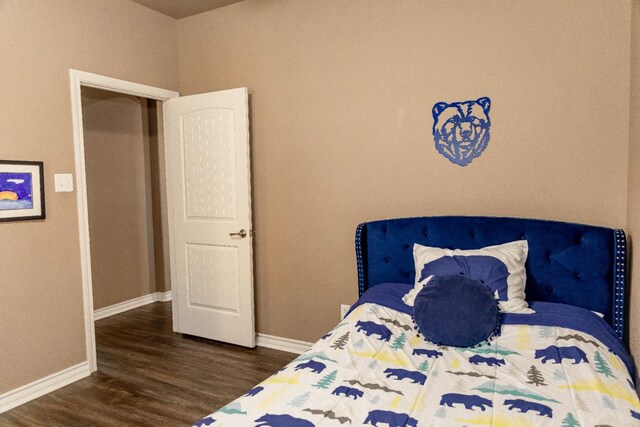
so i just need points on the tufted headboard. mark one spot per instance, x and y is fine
(575, 264)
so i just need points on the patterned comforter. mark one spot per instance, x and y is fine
(560, 367)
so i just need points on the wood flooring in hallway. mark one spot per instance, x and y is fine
(150, 376)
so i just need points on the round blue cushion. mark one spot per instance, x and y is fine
(456, 311)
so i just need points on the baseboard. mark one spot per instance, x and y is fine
(283, 344)
(262, 340)
(162, 296)
(101, 313)
(43, 386)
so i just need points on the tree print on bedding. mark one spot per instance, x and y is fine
(546, 332)
(601, 365)
(326, 381)
(340, 342)
(300, 400)
(398, 343)
(607, 402)
(535, 376)
(570, 421)
(233, 408)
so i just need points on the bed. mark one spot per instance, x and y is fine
(560, 361)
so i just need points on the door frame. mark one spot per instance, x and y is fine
(77, 80)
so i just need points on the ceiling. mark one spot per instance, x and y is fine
(182, 8)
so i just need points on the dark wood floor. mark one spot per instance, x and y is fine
(148, 375)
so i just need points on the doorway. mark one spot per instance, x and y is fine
(78, 81)
(209, 199)
(124, 173)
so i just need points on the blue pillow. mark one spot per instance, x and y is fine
(456, 311)
(500, 267)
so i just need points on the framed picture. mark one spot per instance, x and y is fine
(21, 190)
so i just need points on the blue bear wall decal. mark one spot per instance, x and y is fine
(461, 129)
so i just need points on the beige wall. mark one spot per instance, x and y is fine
(118, 172)
(341, 133)
(41, 298)
(341, 123)
(633, 197)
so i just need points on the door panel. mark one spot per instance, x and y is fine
(208, 264)
(209, 181)
(209, 150)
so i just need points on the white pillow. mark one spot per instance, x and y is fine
(500, 267)
(410, 296)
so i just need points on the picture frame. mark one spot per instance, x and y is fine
(21, 190)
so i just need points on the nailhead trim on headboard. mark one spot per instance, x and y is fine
(619, 277)
(359, 261)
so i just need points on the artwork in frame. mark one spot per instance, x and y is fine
(21, 190)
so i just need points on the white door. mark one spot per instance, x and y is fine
(208, 178)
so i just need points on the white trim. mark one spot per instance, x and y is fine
(175, 313)
(163, 296)
(122, 86)
(38, 388)
(77, 79)
(283, 344)
(121, 307)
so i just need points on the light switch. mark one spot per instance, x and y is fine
(63, 182)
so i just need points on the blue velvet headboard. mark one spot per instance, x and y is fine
(575, 264)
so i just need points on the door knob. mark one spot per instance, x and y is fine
(242, 234)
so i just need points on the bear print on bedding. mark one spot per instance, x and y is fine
(392, 419)
(469, 401)
(401, 374)
(461, 129)
(372, 328)
(526, 406)
(489, 361)
(348, 392)
(254, 391)
(284, 420)
(314, 366)
(425, 352)
(205, 422)
(556, 354)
